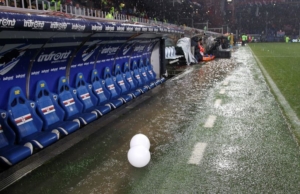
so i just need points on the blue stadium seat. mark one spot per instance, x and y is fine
(131, 81)
(152, 74)
(123, 84)
(10, 153)
(144, 75)
(72, 106)
(25, 121)
(114, 89)
(103, 94)
(87, 98)
(50, 112)
(137, 76)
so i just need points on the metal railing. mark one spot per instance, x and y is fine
(38, 6)
(43, 6)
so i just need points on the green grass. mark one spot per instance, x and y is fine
(282, 61)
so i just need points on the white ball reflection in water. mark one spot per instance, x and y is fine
(138, 156)
(140, 140)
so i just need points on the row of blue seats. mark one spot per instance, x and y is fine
(28, 126)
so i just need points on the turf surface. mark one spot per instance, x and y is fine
(282, 61)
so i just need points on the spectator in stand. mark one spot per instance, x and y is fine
(109, 15)
(287, 39)
(54, 7)
(78, 10)
(2, 2)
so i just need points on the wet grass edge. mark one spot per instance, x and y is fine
(293, 126)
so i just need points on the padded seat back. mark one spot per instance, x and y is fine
(120, 80)
(84, 92)
(143, 72)
(47, 105)
(128, 76)
(99, 89)
(149, 69)
(110, 84)
(7, 135)
(22, 114)
(136, 74)
(67, 98)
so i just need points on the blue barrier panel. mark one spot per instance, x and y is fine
(17, 49)
(107, 53)
(51, 61)
(124, 53)
(36, 47)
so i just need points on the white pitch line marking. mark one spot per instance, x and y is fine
(183, 74)
(197, 153)
(222, 91)
(218, 103)
(226, 83)
(210, 121)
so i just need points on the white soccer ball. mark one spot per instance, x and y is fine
(140, 140)
(138, 156)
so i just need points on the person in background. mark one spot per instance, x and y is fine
(109, 15)
(78, 10)
(244, 39)
(231, 39)
(52, 5)
(287, 39)
(2, 2)
(201, 50)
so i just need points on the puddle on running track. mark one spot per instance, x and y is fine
(99, 163)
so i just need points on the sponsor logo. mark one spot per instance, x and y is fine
(137, 29)
(161, 29)
(99, 90)
(121, 83)
(111, 87)
(69, 102)
(144, 29)
(54, 69)
(8, 78)
(97, 27)
(109, 50)
(45, 71)
(7, 22)
(126, 49)
(23, 119)
(120, 28)
(35, 73)
(139, 48)
(150, 46)
(129, 29)
(48, 109)
(78, 27)
(85, 96)
(58, 25)
(54, 56)
(62, 68)
(110, 28)
(150, 29)
(34, 24)
(73, 66)
(155, 30)
(20, 76)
